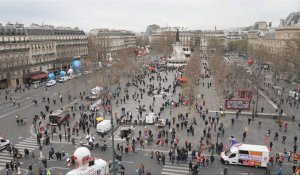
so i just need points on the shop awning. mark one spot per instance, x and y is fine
(39, 76)
(152, 68)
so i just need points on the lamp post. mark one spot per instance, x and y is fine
(51, 132)
(113, 141)
(253, 102)
(65, 130)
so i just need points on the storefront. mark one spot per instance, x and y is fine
(36, 76)
(3, 84)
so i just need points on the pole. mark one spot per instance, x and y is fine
(113, 140)
(65, 130)
(257, 88)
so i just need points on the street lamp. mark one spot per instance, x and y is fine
(253, 102)
(65, 130)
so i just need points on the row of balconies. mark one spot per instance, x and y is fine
(7, 67)
(43, 53)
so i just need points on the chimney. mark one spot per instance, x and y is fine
(270, 24)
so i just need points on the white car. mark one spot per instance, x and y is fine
(3, 143)
(70, 77)
(63, 79)
(50, 83)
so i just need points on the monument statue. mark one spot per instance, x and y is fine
(177, 35)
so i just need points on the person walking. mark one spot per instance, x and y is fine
(60, 97)
(8, 169)
(190, 166)
(268, 168)
(280, 172)
(283, 139)
(60, 137)
(244, 135)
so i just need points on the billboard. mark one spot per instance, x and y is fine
(237, 103)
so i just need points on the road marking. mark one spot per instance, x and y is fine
(59, 168)
(168, 166)
(54, 94)
(5, 157)
(168, 173)
(26, 145)
(127, 162)
(173, 170)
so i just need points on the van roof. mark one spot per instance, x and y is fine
(249, 147)
(104, 122)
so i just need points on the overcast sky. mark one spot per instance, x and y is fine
(135, 15)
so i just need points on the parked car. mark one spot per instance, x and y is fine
(3, 143)
(59, 116)
(50, 83)
(63, 79)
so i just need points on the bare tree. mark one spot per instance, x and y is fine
(238, 45)
(192, 72)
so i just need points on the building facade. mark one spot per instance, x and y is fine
(210, 40)
(166, 36)
(275, 39)
(280, 43)
(26, 52)
(108, 43)
(14, 54)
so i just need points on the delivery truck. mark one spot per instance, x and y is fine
(246, 154)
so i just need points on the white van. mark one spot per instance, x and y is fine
(104, 126)
(151, 118)
(246, 154)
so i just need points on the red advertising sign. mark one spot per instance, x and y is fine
(238, 103)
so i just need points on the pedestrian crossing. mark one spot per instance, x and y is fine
(29, 143)
(176, 169)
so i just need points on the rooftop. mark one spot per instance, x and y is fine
(35, 29)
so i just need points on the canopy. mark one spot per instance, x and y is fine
(99, 119)
(183, 79)
(39, 76)
(250, 62)
(152, 68)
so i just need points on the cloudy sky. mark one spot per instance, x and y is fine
(135, 15)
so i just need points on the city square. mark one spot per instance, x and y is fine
(168, 101)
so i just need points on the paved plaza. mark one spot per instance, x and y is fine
(24, 136)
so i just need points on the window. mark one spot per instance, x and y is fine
(232, 155)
